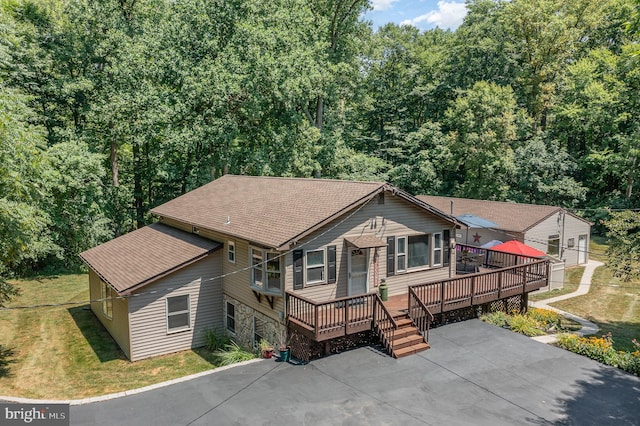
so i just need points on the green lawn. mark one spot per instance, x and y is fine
(613, 305)
(572, 278)
(64, 352)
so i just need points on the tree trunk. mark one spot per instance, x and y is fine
(114, 163)
(630, 179)
(319, 112)
(137, 186)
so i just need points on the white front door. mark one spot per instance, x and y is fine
(358, 271)
(582, 249)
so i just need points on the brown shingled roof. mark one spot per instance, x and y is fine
(145, 255)
(509, 216)
(266, 210)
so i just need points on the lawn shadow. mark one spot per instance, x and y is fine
(605, 395)
(96, 335)
(6, 359)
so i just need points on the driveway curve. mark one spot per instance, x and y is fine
(474, 373)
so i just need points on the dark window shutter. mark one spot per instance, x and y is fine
(331, 264)
(298, 276)
(446, 245)
(391, 256)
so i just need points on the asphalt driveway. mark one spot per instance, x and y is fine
(475, 374)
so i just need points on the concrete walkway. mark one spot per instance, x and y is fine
(585, 284)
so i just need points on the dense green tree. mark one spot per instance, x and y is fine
(25, 237)
(484, 124)
(623, 252)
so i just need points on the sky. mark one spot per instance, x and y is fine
(423, 14)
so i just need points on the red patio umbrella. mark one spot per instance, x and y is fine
(516, 247)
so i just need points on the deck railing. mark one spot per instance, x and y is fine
(471, 256)
(384, 324)
(419, 314)
(321, 321)
(334, 318)
(475, 289)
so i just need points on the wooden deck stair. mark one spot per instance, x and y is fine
(407, 340)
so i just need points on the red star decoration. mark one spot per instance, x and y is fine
(476, 238)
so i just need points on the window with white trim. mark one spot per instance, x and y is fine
(231, 251)
(178, 313)
(315, 267)
(106, 295)
(266, 273)
(412, 252)
(231, 317)
(418, 251)
(437, 249)
(401, 254)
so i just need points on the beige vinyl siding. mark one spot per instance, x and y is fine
(118, 325)
(396, 217)
(567, 228)
(148, 309)
(236, 282)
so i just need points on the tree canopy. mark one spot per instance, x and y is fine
(110, 108)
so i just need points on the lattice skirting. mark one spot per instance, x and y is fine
(305, 349)
(515, 304)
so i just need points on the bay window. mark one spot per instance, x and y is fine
(266, 274)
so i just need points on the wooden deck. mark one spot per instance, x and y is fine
(322, 321)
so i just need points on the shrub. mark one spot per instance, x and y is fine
(546, 318)
(601, 349)
(232, 354)
(216, 340)
(525, 325)
(499, 319)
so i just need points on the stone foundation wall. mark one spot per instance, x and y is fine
(272, 330)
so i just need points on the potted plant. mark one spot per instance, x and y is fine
(266, 349)
(284, 348)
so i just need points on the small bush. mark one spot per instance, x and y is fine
(232, 354)
(525, 325)
(499, 318)
(546, 318)
(601, 349)
(216, 340)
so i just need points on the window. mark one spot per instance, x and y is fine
(315, 266)
(231, 317)
(178, 313)
(256, 268)
(258, 332)
(553, 248)
(401, 257)
(437, 249)
(266, 266)
(231, 251)
(418, 251)
(106, 294)
(446, 241)
(413, 252)
(571, 242)
(273, 272)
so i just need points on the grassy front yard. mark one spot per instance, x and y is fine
(613, 305)
(572, 278)
(64, 352)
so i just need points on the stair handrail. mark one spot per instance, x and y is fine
(413, 296)
(382, 310)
